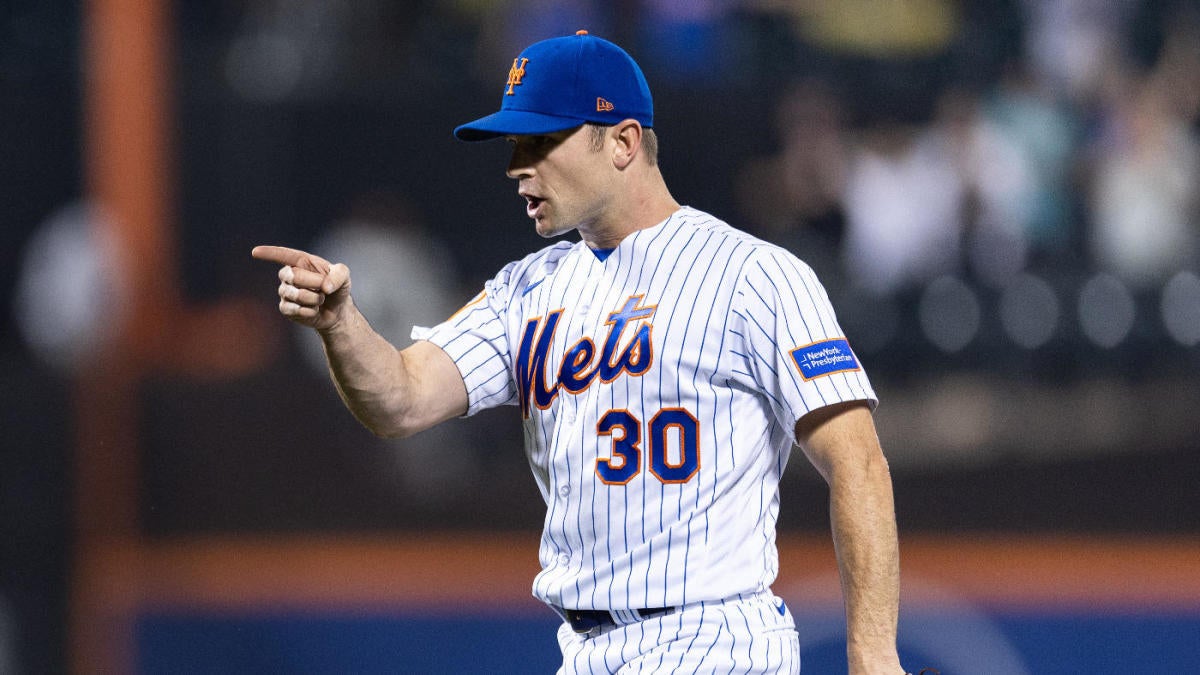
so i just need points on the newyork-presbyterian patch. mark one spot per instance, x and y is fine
(824, 358)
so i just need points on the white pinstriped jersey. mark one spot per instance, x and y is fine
(659, 388)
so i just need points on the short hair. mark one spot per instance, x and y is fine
(649, 140)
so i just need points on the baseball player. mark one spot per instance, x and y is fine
(664, 366)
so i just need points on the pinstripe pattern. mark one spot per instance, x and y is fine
(723, 312)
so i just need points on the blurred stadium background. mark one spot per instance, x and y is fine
(1003, 197)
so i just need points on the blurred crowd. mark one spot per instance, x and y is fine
(965, 176)
(990, 189)
(1042, 154)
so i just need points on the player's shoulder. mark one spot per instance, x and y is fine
(752, 251)
(547, 256)
(531, 267)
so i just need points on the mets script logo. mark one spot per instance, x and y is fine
(515, 74)
(581, 364)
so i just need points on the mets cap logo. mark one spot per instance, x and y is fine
(515, 74)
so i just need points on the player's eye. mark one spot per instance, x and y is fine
(539, 145)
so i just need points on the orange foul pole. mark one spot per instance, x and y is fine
(128, 174)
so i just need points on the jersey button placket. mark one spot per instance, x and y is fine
(564, 491)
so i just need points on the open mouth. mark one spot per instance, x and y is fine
(533, 205)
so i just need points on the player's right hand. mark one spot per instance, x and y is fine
(312, 291)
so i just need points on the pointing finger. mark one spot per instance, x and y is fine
(289, 256)
(277, 254)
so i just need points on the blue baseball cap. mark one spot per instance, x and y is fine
(562, 83)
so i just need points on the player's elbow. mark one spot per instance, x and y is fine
(390, 428)
(398, 425)
(386, 416)
(383, 426)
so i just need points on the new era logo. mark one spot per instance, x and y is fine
(603, 105)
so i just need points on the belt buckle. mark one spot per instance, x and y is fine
(585, 623)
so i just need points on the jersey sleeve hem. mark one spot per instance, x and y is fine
(469, 352)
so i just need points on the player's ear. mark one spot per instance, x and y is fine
(628, 136)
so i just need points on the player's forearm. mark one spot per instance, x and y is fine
(368, 372)
(864, 531)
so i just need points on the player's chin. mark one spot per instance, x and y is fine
(548, 228)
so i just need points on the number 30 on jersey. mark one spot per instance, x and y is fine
(669, 428)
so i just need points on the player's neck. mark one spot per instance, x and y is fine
(638, 210)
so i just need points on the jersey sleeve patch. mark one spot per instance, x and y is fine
(824, 358)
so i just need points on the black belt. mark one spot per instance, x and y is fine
(587, 620)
